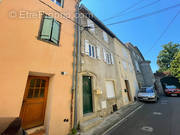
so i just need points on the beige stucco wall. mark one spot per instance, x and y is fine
(125, 73)
(22, 54)
(101, 72)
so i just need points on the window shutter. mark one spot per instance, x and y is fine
(94, 50)
(104, 52)
(98, 53)
(91, 25)
(86, 47)
(105, 36)
(110, 93)
(46, 28)
(55, 32)
(112, 59)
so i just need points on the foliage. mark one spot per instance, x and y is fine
(166, 56)
(73, 132)
(175, 66)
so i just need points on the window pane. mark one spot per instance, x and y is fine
(38, 81)
(89, 50)
(43, 83)
(92, 51)
(32, 83)
(46, 29)
(58, 2)
(36, 94)
(42, 92)
(55, 32)
(30, 93)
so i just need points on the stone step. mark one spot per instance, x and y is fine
(85, 126)
(36, 131)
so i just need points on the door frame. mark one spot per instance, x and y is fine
(26, 93)
(127, 85)
(91, 94)
(82, 116)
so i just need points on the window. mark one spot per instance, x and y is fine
(124, 65)
(130, 67)
(50, 30)
(125, 53)
(91, 50)
(59, 2)
(105, 36)
(110, 89)
(137, 66)
(108, 57)
(91, 25)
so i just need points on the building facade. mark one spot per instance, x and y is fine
(36, 59)
(103, 84)
(144, 74)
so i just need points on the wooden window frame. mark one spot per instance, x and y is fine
(58, 3)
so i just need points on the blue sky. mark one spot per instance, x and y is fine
(143, 32)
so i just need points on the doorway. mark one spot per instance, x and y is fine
(34, 102)
(128, 90)
(87, 95)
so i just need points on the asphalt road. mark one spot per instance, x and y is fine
(162, 118)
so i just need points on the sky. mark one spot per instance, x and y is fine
(145, 32)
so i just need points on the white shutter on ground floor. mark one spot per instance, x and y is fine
(110, 89)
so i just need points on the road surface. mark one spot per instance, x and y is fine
(162, 118)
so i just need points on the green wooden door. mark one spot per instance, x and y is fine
(87, 95)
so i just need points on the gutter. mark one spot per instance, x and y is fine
(77, 54)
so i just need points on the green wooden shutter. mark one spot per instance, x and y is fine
(46, 28)
(55, 32)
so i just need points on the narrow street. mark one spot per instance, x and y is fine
(160, 118)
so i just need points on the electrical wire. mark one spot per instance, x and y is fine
(164, 32)
(125, 10)
(145, 6)
(60, 13)
(145, 15)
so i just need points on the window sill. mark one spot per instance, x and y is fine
(113, 98)
(57, 45)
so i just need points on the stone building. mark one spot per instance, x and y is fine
(144, 74)
(104, 85)
(36, 58)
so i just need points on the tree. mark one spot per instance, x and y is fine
(166, 56)
(175, 66)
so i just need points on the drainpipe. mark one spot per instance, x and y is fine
(77, 62)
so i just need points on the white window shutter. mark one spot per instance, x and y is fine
(105, 36)
(95, 53)
(91, 25)
(104, 52)
(98, 52)
(112, 59)
(110, 89)
(86, 47)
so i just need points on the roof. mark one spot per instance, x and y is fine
(91, 16)
(136, 48)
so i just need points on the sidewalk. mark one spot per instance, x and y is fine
(112, 119)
